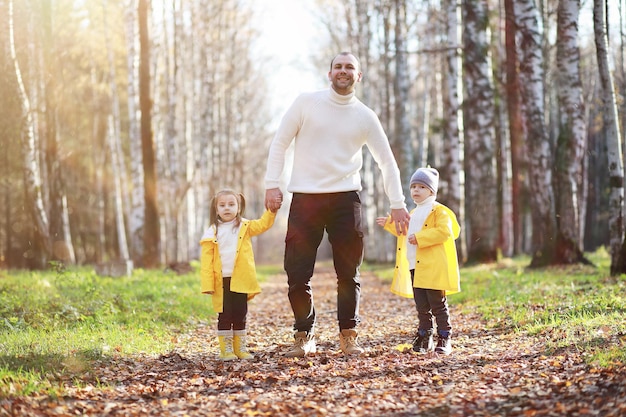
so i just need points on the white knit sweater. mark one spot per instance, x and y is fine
(330, 131)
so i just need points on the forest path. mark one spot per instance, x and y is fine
(489, 373)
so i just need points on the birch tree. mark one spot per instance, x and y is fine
(401, 85)
(209, 120)
(479, 136)
(540, 159)
(571, 141)
(453, 119)
(62, 247)
(224, 117)
(98, 154)
(136, 219)
(613, 138)
(201, 117)
(42, 248)
(118, 168)
(379, 91)
(170, 122)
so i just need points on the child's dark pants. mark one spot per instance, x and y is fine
(432, 307)
(235, 309)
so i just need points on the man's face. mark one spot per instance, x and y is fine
(344, 74)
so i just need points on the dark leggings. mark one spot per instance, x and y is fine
(432, 307)
(235, 309)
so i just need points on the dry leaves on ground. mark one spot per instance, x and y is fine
(489, 373)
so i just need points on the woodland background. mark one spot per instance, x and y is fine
(120, 119)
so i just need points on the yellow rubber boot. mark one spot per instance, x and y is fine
(240, 345)
(225, 338)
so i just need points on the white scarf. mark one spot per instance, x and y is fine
(418, 217)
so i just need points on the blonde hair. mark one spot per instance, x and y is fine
(241, 200)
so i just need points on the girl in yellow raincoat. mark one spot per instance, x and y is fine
(227, 268)
(427, 267)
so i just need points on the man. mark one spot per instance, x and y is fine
(330, 128)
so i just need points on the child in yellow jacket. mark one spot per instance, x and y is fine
(427, 267)
(227, 268)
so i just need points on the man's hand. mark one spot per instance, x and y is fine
(401, 219)
(273, 199)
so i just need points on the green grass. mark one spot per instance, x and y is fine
(573, 307)
(54, 324)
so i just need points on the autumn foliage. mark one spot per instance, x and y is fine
(490, 372)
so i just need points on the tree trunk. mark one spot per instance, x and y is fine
(374, 204)
(479, 134)
(571, 141)
(201, 117)
(151, 235)
(613, 141)
(116, 161)
(118, 168)
(516, 129)
(62, 249)
(41, 251)
(169, 159)
(621, 67)
(453, 119)
(401, 85)
(539, 152)
(136, 219)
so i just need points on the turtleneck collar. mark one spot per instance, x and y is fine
(339, 98)
(428, 200)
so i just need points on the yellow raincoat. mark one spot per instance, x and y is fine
(436, 263)
(243, 279)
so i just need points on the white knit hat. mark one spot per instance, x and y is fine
(428, 177)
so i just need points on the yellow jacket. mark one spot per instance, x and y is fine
(436, 263)
(244, 279)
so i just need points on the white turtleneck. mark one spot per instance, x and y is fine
(418, 217)
(227, 234)
(329, 131)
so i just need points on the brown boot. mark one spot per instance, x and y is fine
(348, 342)
(304, 343)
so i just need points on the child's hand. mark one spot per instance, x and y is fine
(412, 239)
(381, 221)
(276, 206)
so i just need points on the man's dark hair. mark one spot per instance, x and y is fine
(344, 53)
